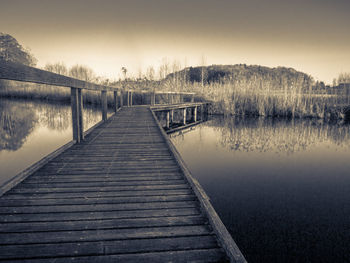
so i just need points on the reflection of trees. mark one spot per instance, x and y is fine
(19, 117)
(16, 123)
(277, 135)
(59, 117)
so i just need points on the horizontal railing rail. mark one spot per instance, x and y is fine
(19, 72)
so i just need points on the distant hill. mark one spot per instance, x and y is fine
(252, 74)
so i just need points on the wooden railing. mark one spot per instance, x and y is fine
(19, 72)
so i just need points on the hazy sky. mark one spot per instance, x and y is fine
(309, 35)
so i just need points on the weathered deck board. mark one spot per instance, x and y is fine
(119, 196)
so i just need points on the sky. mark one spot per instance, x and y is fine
(309, 35)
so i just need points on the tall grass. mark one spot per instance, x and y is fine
(256, 98)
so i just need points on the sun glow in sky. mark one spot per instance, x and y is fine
(308, 35)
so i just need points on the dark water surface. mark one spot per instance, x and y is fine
(29, 130)
(282, 188)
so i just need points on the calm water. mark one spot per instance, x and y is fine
(282, 188)
(31, 130)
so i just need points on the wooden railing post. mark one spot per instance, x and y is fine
(121, 98)
(80, 110)
(116, 106)
(202, 112)
(192, 98)
(104, 104)
(184, 116)
(168, 119)
(77, 114)
(128, 98)
(171, 116)
(131, 98)
(195, 114)
(153, 98)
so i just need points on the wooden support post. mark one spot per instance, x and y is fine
(195, 114)
(104, 104)
(169, 98)
(184, 116)
(77, 112)
(192, 98)
(116, 106)
(130, 98)
(171, 116)
(153, 98)
(80, 110)
(202, 112)
(168, 119)
(121, 98)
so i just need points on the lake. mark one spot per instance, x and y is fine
(280, 186)
(30, 130)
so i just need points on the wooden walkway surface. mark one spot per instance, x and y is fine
(119, 196)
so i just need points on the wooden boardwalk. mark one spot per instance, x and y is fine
(118, 196)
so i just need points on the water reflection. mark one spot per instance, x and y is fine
(29, 130)
(281, 187)
(272, 135)
(16, 123)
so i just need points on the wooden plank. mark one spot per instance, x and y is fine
(104, 176)
(99, 189)
(102, 224)
(100, 184)
(175, 256)
(95, 207)
(97, 194)
(73, 216)
(107, 247)
(96, 200)
(86, 179)
(102, 234)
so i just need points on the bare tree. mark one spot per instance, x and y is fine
(164, 68)
(58, 67)
(344, 77)
(150, 73)
(176, 68)
(82, 72)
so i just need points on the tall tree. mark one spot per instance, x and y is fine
(11, 50)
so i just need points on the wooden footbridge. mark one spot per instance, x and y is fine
(119, 192)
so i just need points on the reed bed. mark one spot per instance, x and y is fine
(253, 98)
(258, 99)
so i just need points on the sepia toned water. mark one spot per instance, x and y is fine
(282, 188)
(30, 130)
